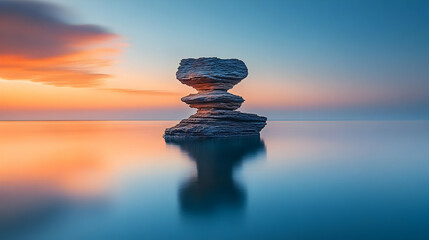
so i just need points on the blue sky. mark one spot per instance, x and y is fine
(368, 58)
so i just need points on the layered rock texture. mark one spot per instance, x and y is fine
(216, 115)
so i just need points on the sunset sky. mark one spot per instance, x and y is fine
(117, 59)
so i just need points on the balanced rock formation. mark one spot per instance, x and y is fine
(216, 115)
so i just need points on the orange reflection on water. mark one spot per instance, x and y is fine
(76, 158)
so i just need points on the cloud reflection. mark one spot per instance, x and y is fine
(67, 168)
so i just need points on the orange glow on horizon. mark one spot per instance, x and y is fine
(22, 95)
(31, 96)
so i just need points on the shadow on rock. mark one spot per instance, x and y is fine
(214, 188)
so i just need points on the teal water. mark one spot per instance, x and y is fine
(299, 180)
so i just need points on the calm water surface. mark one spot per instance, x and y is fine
(300, 180)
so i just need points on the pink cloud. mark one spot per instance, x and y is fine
(39, 45)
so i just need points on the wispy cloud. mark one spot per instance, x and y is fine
(38, 44)
(141, 92)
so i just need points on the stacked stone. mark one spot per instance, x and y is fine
(216, 115)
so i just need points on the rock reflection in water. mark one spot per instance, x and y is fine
(214, 187)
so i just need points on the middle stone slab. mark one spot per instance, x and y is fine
(218, 99)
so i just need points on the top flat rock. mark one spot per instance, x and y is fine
(211, 73)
